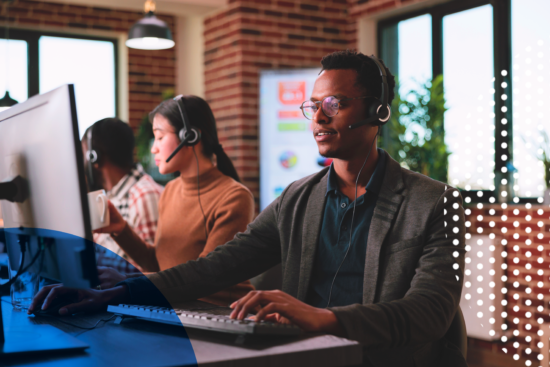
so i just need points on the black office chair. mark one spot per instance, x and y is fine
(457, 333)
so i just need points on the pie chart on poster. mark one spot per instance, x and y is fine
(288, 159)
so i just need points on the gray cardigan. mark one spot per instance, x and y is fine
(411, 289)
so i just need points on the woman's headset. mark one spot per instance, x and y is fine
(189, 136)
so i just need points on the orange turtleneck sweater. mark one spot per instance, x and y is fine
(228, 207)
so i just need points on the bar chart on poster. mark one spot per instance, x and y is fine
(288, 150)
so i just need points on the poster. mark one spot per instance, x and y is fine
(288, 150)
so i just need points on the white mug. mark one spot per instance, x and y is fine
(99, 210)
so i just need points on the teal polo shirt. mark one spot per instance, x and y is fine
(334, 240)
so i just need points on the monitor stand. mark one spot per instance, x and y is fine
(23, 336)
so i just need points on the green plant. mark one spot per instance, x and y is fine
(544, 156)
(415, 136)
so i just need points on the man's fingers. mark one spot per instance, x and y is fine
(273, 307)
(55, 292)
(85, 305)
(40, 296)
(259, 299)
(237, 305)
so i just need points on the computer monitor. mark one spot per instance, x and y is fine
(39, 141)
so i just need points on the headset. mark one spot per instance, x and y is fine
(189, 136)
(91, 158)
(376, 118)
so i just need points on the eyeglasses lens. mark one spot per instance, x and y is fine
(308, 109)
(330, 106)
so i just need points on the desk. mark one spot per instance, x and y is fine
(142, 343)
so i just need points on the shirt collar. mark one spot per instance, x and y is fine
(126, 182)
(375, 182)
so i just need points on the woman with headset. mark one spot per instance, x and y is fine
(201, 209)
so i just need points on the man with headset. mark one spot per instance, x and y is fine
(369, 250)
(108, 147)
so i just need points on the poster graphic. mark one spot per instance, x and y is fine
(288, 151)
(288, 159)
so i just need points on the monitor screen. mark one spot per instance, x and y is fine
(39, 141)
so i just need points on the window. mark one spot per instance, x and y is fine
(530, 50)
(415, 52)
(468, 83)
(40, 62)
(471, 47)
(89, 65)
(13, 69)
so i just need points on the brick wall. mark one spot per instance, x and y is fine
(247, 36)
(150, 72)
(525, 233)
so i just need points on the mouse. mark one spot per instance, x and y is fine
(55, 306)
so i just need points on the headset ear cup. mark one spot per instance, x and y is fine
(373, 105)
(384, 120)
(195, 138)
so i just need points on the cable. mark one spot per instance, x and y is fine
(24, 269)
(22, 243)
(352, 216)
(199, 192)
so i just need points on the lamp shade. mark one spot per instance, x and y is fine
(150, 33)
(7, 102)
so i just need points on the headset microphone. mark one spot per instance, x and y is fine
(378, 110)
(187, 139)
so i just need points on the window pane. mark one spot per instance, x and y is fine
(468, 79)
(415, 52)
(13, 76)
(530, 46)
(89, 65)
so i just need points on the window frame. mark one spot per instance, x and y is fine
(502, 55)
(32, 38)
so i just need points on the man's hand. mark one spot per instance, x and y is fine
(87, 299)
(108, 277)
(277, 306)
(116, 222)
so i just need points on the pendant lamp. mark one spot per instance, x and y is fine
(6, 102)
(150, 33)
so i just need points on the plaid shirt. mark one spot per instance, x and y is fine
(136, 197)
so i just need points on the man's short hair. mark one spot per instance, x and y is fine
(368, 74)
(113, 139)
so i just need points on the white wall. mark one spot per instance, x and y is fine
(190, 55)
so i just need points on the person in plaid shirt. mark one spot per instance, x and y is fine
(132, 191)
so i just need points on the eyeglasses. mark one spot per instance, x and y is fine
(330, 106)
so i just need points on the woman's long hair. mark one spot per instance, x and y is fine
(201, 117)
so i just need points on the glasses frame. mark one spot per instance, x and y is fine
(321, 102)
